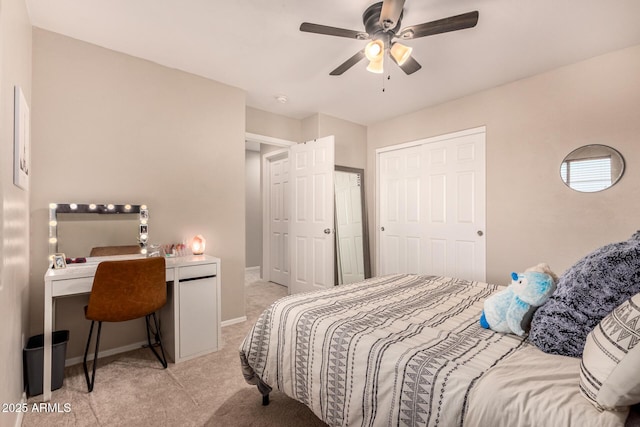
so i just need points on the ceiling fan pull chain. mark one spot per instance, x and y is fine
(383, 79)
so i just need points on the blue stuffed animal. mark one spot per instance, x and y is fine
(511, 309)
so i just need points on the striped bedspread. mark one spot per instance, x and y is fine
(389, 351)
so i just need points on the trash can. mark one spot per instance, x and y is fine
(33, 360)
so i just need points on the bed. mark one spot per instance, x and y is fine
(408, 350)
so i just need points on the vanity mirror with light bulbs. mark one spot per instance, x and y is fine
(82, 230)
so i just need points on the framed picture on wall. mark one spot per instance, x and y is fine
(21, 140)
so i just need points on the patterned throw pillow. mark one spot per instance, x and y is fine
(609, 372)
(586, 293)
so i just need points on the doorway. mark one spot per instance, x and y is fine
(298, 220)
(256, 147)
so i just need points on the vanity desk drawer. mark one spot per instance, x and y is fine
(197, 271)
(80, 285)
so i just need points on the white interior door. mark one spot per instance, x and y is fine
(349, 234)
(279, 195)
(432, 207)
(311, 222)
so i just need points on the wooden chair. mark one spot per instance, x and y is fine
(126, 290)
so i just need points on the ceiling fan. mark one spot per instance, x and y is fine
(382, 26)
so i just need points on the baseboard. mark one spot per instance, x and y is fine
(104, 353)
(256, 268)
(23, 401)
(135, 346)
(233, 321)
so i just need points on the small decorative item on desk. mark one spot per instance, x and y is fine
(181, 249)
(169, 250)
(59, 261)
(155, 250)
(198, 244)
(176, 249)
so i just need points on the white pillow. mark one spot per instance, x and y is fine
(610, 368)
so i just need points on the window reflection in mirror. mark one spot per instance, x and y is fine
(352, 243)
(592, 168)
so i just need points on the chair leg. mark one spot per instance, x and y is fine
(91, 382)
(158, 339)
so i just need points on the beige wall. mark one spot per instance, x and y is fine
(311, 128)
(15, 70)
(274, 125)
(350, 138)
(531, 125)
(108, 127)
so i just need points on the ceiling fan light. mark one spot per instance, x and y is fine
(376, 66)
(374, 50)
(400, 52)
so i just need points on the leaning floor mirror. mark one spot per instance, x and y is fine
(352, 236)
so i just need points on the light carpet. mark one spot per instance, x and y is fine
(132, 389)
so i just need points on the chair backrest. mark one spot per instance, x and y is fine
(129, 289)
(114, 250)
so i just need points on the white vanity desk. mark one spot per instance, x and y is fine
(190, 321)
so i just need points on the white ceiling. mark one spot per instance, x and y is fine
(256, 45)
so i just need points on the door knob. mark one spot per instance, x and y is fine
(480, 233)
(381, 228)
(327, 231)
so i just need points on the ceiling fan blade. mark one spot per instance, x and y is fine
(348, 63)
(308, 27)
(410, 66)
(453, 23)
(390, 13)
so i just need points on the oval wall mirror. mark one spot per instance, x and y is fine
(592, 168)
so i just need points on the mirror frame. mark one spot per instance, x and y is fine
(107, 209)
(365, 226)
(614, 154)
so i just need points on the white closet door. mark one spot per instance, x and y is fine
(400, 234)
(311, 222)
(432, 207)
(454, 207)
